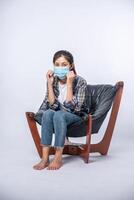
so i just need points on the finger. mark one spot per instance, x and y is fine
(49, 72)
(72, 72)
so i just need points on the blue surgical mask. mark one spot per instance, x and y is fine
(61, 72)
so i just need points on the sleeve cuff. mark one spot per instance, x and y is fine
(55, 105)
(69, 105)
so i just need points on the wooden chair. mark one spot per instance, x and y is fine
(83, 150)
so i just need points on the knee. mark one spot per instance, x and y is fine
(48, 114)
(59, 116)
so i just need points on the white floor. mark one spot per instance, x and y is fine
(108, 177)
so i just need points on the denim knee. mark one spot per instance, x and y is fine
(47, 127)
(47, 115)
(59, 116)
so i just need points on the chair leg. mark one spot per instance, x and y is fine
(84, 154)
(86, 148)
(103, 146)
(34, 133)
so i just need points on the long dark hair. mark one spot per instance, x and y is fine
(67, 55)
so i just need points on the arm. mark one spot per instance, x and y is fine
(69, 97)
(51, 98)
(50, 80)
(69, 93)
(75, 102)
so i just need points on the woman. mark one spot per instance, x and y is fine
(64, 104)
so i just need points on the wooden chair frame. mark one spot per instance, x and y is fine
(83, 150)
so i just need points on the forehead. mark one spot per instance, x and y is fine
(61, 59)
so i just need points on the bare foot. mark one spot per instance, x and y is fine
(41, 165)
(55, 164)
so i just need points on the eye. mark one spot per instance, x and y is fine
(64, 64)
(56, 64)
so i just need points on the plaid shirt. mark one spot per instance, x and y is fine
(77, 105)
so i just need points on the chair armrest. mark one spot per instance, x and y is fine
(119, 84)
(30, 114)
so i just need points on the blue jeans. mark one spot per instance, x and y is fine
(56, 122)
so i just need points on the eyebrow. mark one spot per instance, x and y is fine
(61, 62)
(65, 62)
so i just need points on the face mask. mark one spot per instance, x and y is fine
(61, 72)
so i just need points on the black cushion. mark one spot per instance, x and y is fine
(99, 99)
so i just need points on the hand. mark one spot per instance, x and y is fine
(70, 77)
(50, 77)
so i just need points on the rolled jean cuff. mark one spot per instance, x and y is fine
(45, 145)
(58, 147)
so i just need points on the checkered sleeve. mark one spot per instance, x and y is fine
(78, 98)
(56, 104)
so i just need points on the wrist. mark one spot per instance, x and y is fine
(50, 84)
(69, 84)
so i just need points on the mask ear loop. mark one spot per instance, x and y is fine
(72, 68)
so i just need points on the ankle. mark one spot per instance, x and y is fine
(58, 154)
(58, 158)
(45, 159)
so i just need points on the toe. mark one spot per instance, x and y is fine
(48, 168)
(35, 167)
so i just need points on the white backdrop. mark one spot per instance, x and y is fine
(100, 35)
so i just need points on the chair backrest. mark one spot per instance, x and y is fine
(99, 101)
